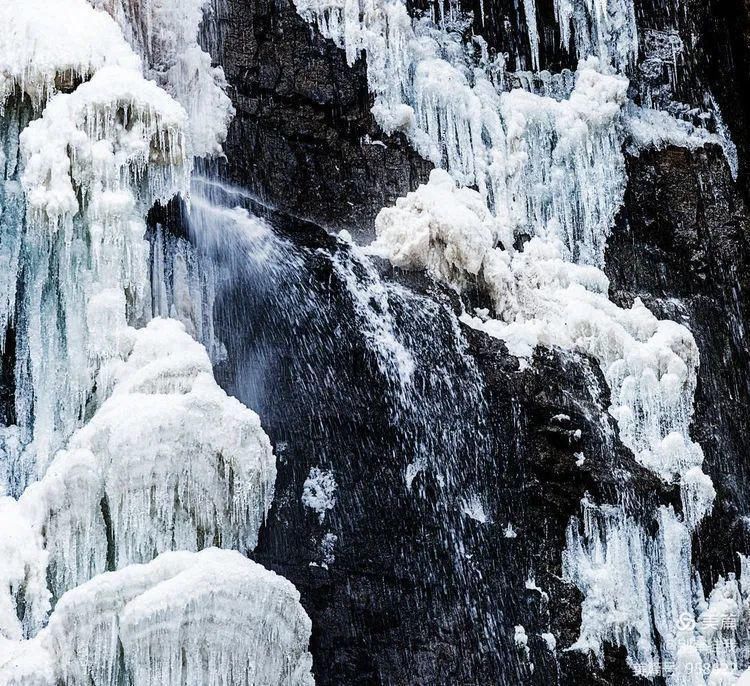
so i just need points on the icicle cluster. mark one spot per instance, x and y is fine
(640, 593)
(92, 143)
(165, 34)
(95, 162)
(605, 28)
(170, 622)
(533, 158)
(168, 462)
(108, 144)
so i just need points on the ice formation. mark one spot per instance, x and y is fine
(548, 161)
(168, 462)
(92, 143)
(165, 35)
(319, 492)
(170, 622)
(126, 449)
(640, 593)
(528, 154)
(540, 298)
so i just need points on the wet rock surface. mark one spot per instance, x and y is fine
(391, 602)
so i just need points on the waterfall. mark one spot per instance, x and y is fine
(163, 371)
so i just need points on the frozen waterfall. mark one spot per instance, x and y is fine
(545, 169)
(126, 458)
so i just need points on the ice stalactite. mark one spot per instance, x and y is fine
(640, 593)
(168, 462)
(170, 622)
(605, 28)
(126, 448)
(165, 34)
(117, 142)
(102, 145)
(131, 142)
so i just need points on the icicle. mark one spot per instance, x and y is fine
(165, 34)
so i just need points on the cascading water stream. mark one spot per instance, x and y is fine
(322, 314)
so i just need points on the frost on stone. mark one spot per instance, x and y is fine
(474, 508)
(319, 492)
(168, 623)
(327, 547)
(651, 129)
(521, 640)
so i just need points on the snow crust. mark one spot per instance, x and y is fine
(174, 624)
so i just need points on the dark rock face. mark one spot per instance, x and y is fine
(397, 605)
(300, 137)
